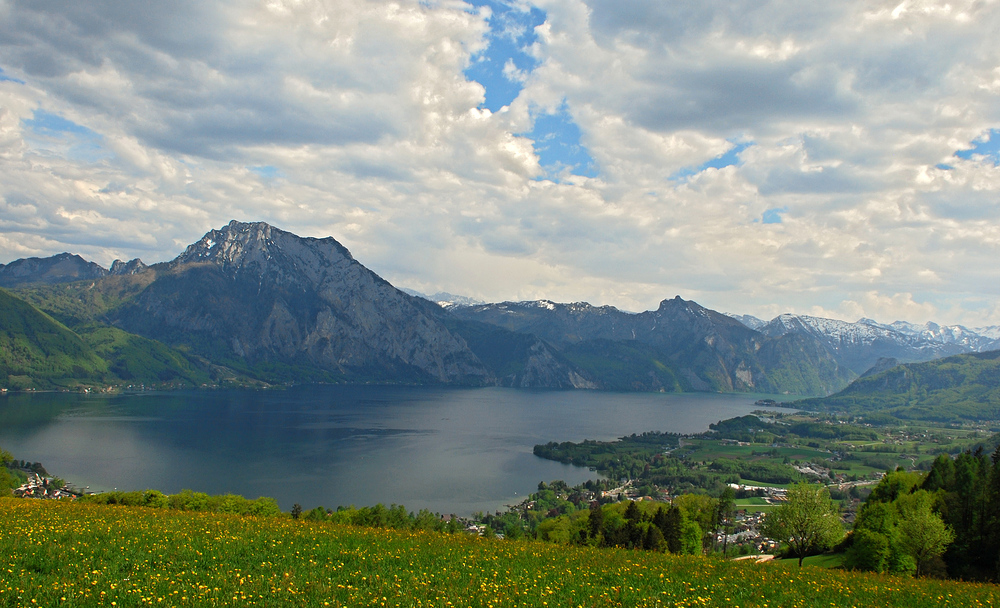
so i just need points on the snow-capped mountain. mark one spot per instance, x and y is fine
(978, 340)
(749, 320)
(444, 299)
(861, 344)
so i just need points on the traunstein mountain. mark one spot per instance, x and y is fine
(255, 293)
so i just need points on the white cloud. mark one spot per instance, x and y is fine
(375, 137)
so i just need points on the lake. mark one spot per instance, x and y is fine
(448, 450)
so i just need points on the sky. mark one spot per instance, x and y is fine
(838, 159)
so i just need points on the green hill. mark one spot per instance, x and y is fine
(38, 351)
(953, 389)
(55, 553)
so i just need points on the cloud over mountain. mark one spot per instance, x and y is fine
(758, 157)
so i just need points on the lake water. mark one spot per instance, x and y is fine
(448, 450)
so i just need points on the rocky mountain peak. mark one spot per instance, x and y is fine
(259, 249)
(134, 266)
(231, 244)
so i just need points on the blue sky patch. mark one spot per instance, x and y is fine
(986, 146)
(557, 143)
(944, 167)
(266, 171)
(53, 125)
(52, 133)
(773, 216)
(503, 65)
(728, 158)
(6, 78)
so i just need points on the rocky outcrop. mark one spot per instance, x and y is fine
(120, 268)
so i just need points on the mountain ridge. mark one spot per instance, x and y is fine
(269, 305)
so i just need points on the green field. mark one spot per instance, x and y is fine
(63, 554)
(825, 560)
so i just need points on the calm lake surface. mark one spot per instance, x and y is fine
(448, 450)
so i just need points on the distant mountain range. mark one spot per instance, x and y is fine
(444, 299)
(251, 304)
(859, 345)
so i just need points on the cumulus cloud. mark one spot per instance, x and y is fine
(131, 128)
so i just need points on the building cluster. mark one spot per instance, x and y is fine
(42, 487)
(746, 531)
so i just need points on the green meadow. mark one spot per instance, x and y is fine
(71, 554)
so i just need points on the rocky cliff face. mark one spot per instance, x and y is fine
(255, 293)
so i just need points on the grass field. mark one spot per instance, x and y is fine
(59, 554)
(825, 560)
(740, 502)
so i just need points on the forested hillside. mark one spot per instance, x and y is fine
(962, 387)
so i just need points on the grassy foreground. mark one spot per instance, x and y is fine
(61, 554)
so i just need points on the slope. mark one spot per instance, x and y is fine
(953, 389)
(37, 351)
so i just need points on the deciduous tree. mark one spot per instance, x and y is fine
(808, 521)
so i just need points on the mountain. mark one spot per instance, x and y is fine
(749, 320)
(979, 339)
(953, 389)
(278, 305)
(250, 302)
(858, 346)
(61, 268)
(679, 346)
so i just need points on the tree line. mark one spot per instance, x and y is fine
(945, 522)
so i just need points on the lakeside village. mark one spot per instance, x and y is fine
(743, 534)
(39, 484)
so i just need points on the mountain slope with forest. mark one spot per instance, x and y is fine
(961, 387)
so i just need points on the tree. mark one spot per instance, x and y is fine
(726, 511)
(808, 521)
(922, 533)
(702, 510)
(595, 519)
(869, 550)
(691, 537)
